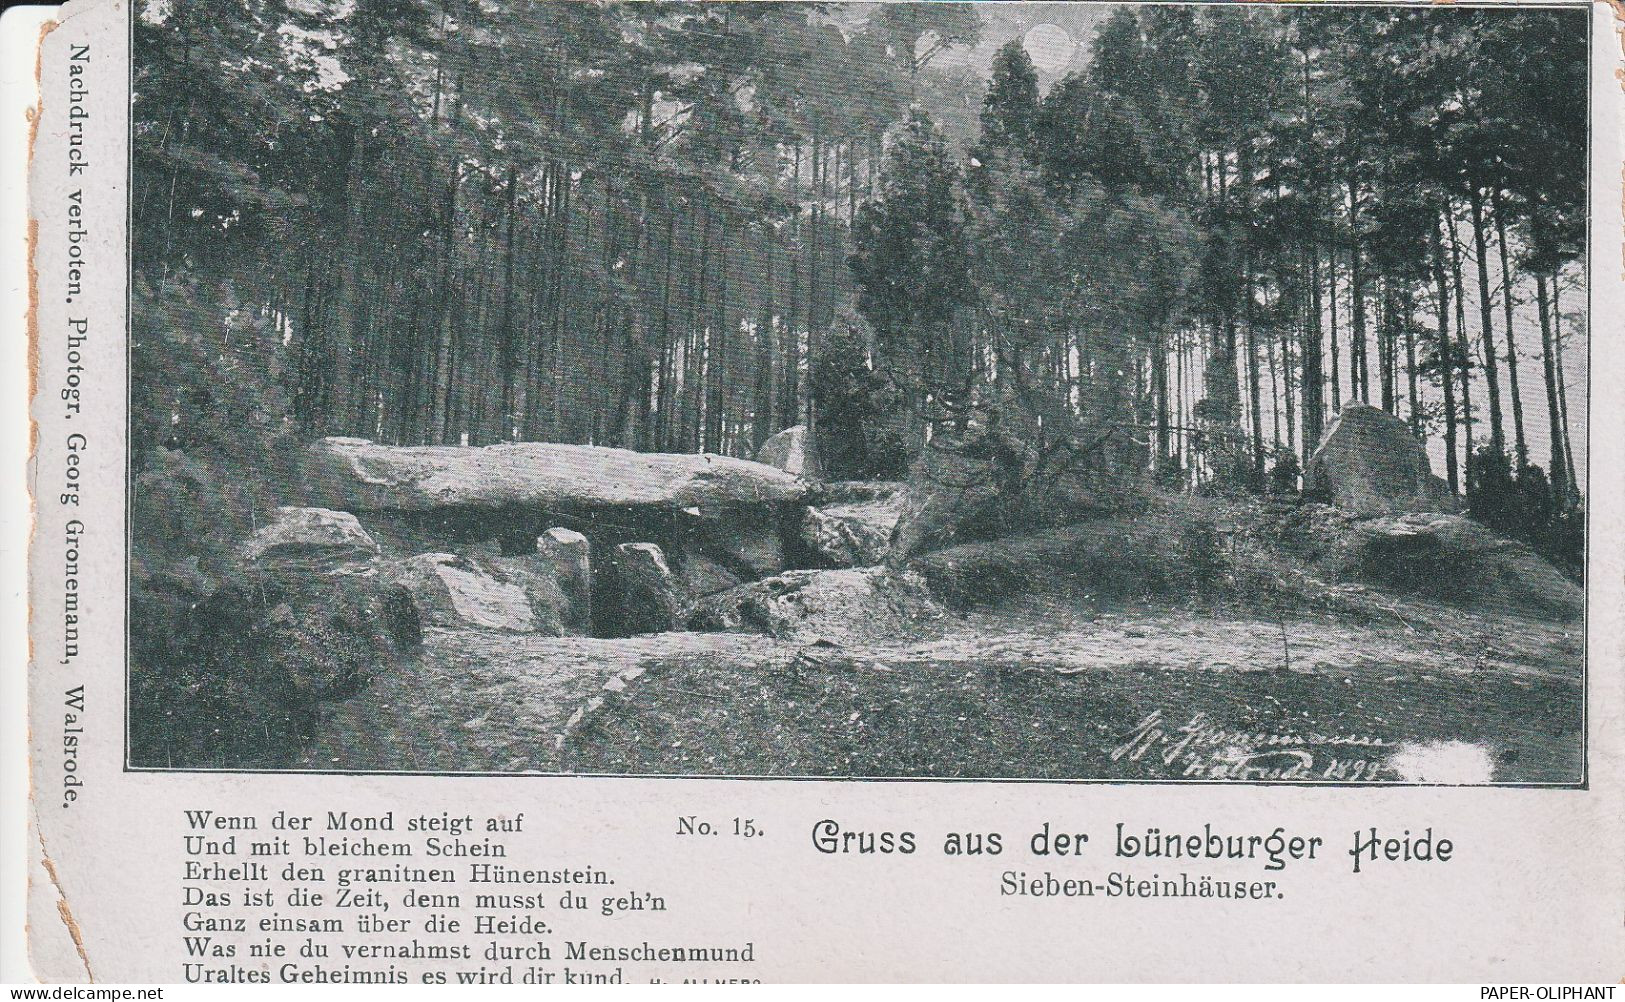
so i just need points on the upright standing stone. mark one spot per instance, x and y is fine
(700, 576)
(642, 596)
(1369, 463)
(570, 556)
(791, 450)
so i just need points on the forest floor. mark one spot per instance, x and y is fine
(1051, 686)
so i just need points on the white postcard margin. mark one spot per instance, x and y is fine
(1536, 891)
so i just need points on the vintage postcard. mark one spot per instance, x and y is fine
(567, 492)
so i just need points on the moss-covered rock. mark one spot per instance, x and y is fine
(520, 594)
(832, 605)
(241, 678)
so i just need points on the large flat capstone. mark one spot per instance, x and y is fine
(353, 474)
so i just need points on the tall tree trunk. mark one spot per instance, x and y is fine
(717, 347)
(540, 267)
(439, 419)
(851, 180)
(1220, 374)
(1408, 306)
(1313, 397)
(1463, 353)
(1359, 370)
(345, 355)
(695, 357)
(1179, 395)
(508, 335)
(1562, 386)
(309, 351)
(1447, 365)
(637, 361)
(761, 412)
(790, 401)
(1331, 283)
(814, 241)
(1256, 416)
(1486, 314)
(1385, 346)
(560, 295)
(1289, 379)
(1520, 444)
(663, 398)
(1275, 393)
(1562, 483)
(1159, 383)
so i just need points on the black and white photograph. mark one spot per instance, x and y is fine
(1083, 392)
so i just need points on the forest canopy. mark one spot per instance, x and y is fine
(1169, 253)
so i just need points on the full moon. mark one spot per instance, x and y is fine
(1050, 47)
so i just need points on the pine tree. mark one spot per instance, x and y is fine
(910, 258)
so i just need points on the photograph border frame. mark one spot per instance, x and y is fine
(1585, 622)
